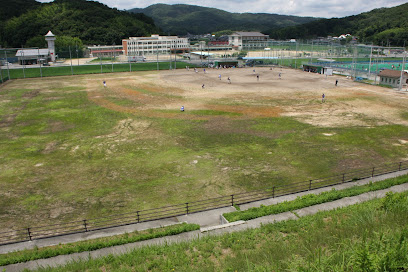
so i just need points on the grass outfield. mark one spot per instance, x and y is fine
(372, 236)
(72, 149)
(49, 71)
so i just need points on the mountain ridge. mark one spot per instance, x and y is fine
(181, 19)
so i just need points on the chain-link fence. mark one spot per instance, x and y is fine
(34, 62)
(359, 62)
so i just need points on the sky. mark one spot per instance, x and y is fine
(313, 8)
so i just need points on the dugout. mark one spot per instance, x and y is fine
(313, 68)
(229, 63)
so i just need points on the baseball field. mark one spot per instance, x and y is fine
(71, 148)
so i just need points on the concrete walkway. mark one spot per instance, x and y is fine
(205, 219)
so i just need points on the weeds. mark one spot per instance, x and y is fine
(312, 199)
(89, 245)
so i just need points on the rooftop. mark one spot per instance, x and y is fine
(391, 73)
(250, 34)
(49, 34)
(32, 52)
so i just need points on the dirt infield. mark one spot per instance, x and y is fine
(297, 94)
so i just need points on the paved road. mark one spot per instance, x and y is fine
(209, 218)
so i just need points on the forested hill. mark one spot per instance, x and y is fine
(91, 21)
(379, 26)
(182, 19)
(10, 9)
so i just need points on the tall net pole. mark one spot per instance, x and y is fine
(70, 57)
(8, 69)
(112, 57)
(39, 62)
(100, 58)
(402, 71)
(22, 52)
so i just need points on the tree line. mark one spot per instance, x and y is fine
(384, 26)
(89, 22)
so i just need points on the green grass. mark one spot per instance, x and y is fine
(123, 101)
(104, 59)
(372, 236)
(89, 69)
(94, 244)
(312, 199)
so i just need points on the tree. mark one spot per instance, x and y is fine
(37, 41)
(63, 45)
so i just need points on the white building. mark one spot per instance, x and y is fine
(33, 56)
(141, 46)
(248, 40)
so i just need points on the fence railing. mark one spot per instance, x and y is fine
(40, 232)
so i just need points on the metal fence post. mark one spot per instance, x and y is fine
(399, 168)
(343, 178)
(138, 217)
(372, 174)
(273, 192)
(187, 208)
(29, 234)
(86, 229)
(310, 185)
(232, 200)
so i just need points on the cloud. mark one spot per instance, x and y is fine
(314, 8)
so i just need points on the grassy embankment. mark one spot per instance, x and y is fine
(312, 199)
(94, 244)
(301, 202)
(372, 236)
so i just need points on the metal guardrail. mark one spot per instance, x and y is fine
(40, 232)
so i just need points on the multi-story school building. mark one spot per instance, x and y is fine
(248, 40)
(141, 46)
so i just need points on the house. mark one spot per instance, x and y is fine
(392, 77)
(248, 40)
